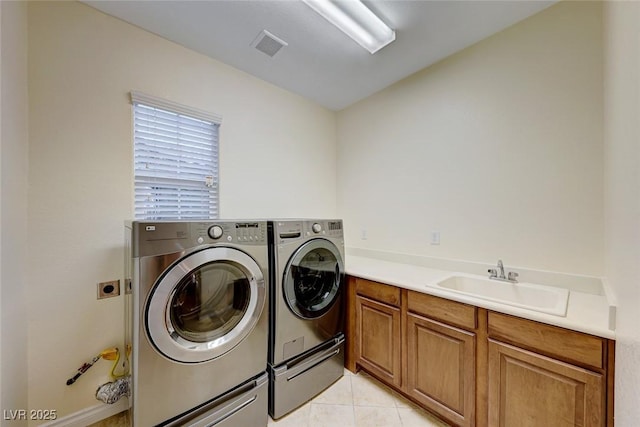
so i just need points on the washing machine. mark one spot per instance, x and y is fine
(306, 339)
(197, 322)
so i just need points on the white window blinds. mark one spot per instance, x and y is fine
(175, 160)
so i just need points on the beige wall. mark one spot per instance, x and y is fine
(499, 148)
(622, 195)
(13, 206)
(277, 159)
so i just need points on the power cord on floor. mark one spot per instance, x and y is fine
(111, 353)
(112, 391)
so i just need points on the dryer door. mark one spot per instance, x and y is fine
(313, 278)
(205, 304)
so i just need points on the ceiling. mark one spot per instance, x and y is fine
(320, 62)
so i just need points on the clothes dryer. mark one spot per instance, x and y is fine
(306, 344)
(197, 322)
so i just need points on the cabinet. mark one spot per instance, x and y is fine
(475, 367)
(441, 372)
(528, 389)
(378, 332)
(440, 357)
(544, 375)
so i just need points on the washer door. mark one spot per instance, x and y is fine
(313, 278)
(205, 304)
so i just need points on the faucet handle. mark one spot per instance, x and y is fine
(492, 272)
(513, 276)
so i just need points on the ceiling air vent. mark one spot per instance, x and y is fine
(268, 44)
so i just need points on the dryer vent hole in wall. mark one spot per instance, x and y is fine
(108, 289)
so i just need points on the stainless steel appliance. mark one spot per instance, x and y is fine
(197, 324)
(306, 344)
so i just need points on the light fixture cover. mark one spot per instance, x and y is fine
(357, 21)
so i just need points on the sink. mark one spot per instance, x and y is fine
(544, 299)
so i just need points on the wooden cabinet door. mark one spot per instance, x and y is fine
(530, 390)
(378, 339)
(441, 368)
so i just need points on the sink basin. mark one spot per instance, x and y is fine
(545, 299)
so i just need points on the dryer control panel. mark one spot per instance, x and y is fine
(289, 230)
(329, 228)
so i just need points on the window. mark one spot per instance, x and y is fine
(175, 160)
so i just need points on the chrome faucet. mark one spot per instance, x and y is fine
(501, 267)
(512, 276)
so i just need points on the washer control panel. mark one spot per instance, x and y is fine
(163, 237)
(249, 232)
(215, 232)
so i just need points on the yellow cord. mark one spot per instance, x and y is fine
(112, 354)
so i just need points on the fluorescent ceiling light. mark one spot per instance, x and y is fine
(356, 21)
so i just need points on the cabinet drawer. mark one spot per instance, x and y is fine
(378, 292)
(451, 312)
(551, 340)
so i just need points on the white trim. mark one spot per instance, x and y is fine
(153, 101)
(90, 415)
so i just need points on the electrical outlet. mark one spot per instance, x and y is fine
(363, 234)
(108, 289)
(435, 238)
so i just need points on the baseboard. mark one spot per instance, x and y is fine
(90, 415)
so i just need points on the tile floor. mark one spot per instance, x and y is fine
(353, 401)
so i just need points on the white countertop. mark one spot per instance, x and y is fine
(586, 312)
